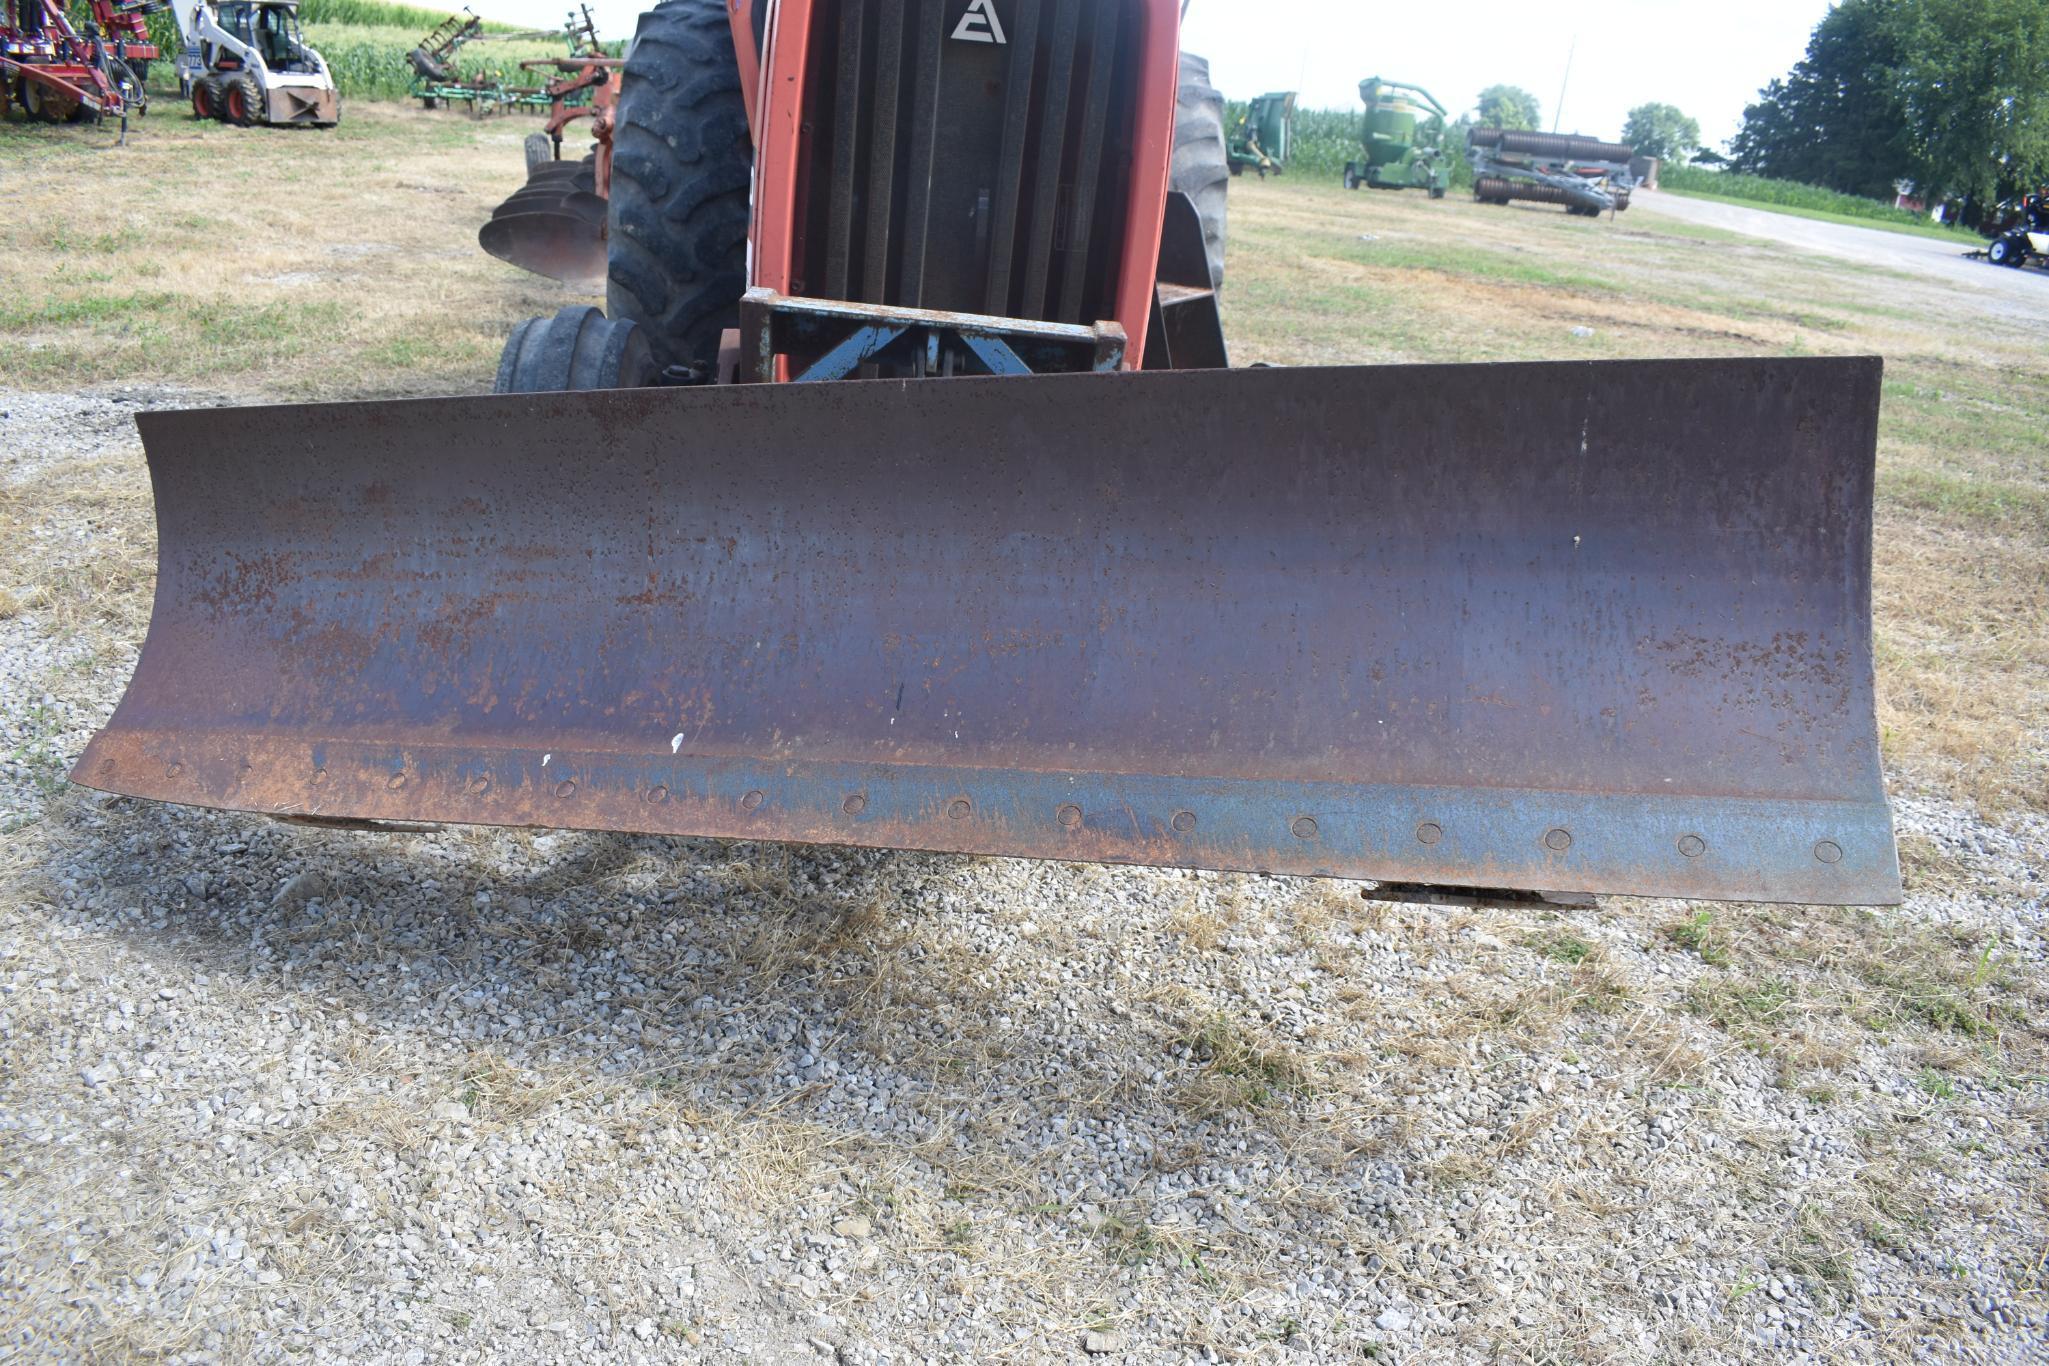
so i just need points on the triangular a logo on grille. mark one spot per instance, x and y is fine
(980, 24)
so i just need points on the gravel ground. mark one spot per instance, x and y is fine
(485, 1094)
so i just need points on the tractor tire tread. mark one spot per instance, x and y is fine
(577, 349)
(251, 91)
(682, 170)
(1201, 165)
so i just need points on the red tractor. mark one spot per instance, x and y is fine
(1029, 572)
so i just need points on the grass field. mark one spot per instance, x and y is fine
(278, 1089)
(372, 284)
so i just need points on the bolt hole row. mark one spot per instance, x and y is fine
(1558, 839)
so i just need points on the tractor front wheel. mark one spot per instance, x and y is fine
(579, 348)
(682, 167)
(202, 99)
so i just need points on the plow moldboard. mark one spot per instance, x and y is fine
(1582, 627)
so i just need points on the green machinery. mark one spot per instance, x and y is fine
(1402, 135)
(1263, 133)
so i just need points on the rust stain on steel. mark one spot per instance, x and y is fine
(1570, 627)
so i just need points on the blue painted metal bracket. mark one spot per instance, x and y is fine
(783, 336)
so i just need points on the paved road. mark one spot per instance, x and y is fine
(2022, 294)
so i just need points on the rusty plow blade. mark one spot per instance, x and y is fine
(554, 225)
(1556, 627)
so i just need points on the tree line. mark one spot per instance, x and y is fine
(1952, 95)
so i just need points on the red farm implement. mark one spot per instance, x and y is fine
(58, 75)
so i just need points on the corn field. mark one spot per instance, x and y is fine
(369, 62)
(381, 14)
(1325, 139)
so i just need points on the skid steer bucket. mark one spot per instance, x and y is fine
(1560, 627)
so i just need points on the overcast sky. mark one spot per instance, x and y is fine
(1707, 58)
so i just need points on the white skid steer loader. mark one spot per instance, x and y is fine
(247, 62)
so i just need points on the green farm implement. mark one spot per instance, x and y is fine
(1401, 139)
(1261, 137)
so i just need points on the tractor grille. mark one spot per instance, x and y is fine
(946, 169)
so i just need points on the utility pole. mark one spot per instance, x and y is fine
(1558, 109)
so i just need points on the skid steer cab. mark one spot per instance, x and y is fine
(1054, 582)
(247, 62)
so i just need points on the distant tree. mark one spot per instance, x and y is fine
(1837, 118)
(1661, 131)
(1951, 94)
(1973, 78)
(1708, 156)
(1508, 106)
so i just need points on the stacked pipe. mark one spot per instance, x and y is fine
(1567, 146)
(1585, 175)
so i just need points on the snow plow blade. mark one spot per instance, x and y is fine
(1557, 627)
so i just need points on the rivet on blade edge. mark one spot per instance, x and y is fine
(1558, 841)
(958, 808)
(1693, 846)
(319, 776)
(752, 801)
(1429, 832)
(173, 770)
(1069, 816)
(1304, 828)
(1828, 851)
(395, 781)
(854, 805)
(106, 766)
(565, 788)
(1184, 821)
(478, 785)
(658, 794)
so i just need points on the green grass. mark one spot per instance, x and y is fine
(123, 327)
(1802, 201)
(1254, 1074)
(1700, 934)
(1563, 948)
(1460, 260)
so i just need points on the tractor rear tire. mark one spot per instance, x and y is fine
(682, 167)
(578, 348)
(242, 100)
(1202, 168)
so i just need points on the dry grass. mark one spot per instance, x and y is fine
(340, 263)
